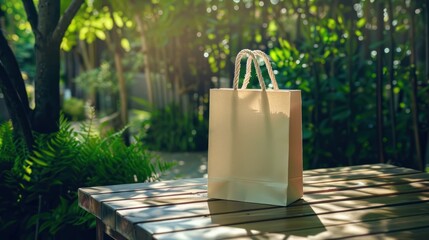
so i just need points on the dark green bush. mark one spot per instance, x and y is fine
(171, 129)
(39, 189)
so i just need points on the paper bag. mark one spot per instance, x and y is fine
(255, 141)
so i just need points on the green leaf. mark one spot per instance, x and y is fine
(258, 38)
(108, 23)
(284, 44)
(118, 20)
(83, 33)
(125, 44)
(340, 20)
(40, 162)
(100, 34)
(361, 22)
(358, 33)
(331, 23)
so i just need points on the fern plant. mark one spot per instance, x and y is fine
(43, 184)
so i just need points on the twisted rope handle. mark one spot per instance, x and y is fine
(267, 64)
(251, 57)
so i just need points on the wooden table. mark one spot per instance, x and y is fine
(370, 201)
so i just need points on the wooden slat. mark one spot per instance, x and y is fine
(366, 192)
(346, 169)
(358, 175)
(87, 202)
(330, 225)
(401, 226)
(278, 213)
(92, 203)
(175, 212)
(362, 183)
(144, 186)
(126, 219)
(412, 233)
(172, 208)
(399, 233)
(110, 207)
(88, 199)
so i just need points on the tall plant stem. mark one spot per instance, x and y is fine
(392, 108)
(113, 40)
(142, 28)
(379, 82)
(417, 163)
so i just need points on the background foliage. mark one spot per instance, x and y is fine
(362, 66)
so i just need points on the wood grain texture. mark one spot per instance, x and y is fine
(367, 201)
(323, 226)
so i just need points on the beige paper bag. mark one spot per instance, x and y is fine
(255, 142)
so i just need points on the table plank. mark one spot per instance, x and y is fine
(412, 233)
(109, 208)
(305, 209)
(143, 186)
(343, 224)
(362, 183)
(339, 170)
(419, 232)
(180, 207)
(361, 230)
(127, 218)
(92, 203)
(375, 173)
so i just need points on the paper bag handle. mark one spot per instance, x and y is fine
(267, 64)
(252, 57)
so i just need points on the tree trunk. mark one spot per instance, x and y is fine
(142, 28)
(47, 51)
(11, 66)
(47, 110)
(114, 42)
(19, 116)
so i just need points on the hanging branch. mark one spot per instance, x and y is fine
(66, 19)
(32, 16)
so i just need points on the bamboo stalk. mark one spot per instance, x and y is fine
(417, 161)
(142, 28)
(392, 107)
(350, 68)
(426, 159)
(379, 82)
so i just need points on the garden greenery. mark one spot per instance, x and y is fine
(39, 188)
(172, 129)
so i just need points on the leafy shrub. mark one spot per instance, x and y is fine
(39, 189)
(74, 109)
(171, 129)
